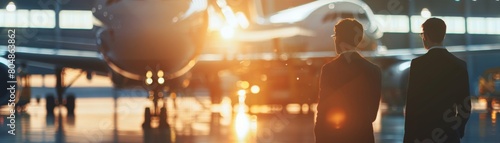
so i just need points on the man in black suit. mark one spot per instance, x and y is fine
(349, 93)
(438, 103)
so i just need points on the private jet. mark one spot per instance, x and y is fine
(152, 44)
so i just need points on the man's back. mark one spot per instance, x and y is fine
(349, 98)
(438, 82)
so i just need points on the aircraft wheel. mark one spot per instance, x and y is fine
(70, 104)
(50, 104)
(163, 118)
(38, 99)
(147, 118)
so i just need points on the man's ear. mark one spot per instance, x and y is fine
(426, 38)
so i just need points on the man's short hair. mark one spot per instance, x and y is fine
(349, 31)
(434, 29)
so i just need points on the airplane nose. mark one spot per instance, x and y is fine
(171, 47)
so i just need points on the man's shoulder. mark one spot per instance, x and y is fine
(371, 65)
(453, 59)
(419, 58)
(364, 65)
(425, 58)
(434, 58)
(458, 61)
(331, 63)
(326, 66)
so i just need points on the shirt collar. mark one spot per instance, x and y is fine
(348, 51)
(437, 47)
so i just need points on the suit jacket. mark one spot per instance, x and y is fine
(438, 88)
(349, 98)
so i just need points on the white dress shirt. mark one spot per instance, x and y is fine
(437, 47)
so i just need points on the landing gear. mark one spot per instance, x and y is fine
(50, 104)
(25, 89)
(61, 87)
(214, 87)
(70, 104)
(160, 115)
(163, 118)
(147, 118)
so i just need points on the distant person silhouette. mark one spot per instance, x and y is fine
(350, 88)
(437, 106)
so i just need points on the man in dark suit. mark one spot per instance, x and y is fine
(349, 93)
(438, 103)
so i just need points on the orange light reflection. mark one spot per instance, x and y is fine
(337, 118)
(493, 118)
(244, 124)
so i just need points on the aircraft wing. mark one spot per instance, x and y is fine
(42, 50)
(43, 60)
(403, 54)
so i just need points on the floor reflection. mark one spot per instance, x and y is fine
(196, 121)
(243, 125)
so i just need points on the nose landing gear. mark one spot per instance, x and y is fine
(155, 114)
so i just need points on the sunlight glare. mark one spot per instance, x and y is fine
(493, 118)
(337, 118)
(255, 89)
(227, 32)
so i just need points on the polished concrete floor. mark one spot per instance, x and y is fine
(194, 120)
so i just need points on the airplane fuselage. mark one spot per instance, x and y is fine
(142, 36)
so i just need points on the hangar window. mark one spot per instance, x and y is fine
(483, 25)
(69, 19)
(454, 24)
(416, 23)
(42, 19)
(19, 18)
(27, 18)
(492, 24)
(76, 19)
(476, 25)
(394, 23)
